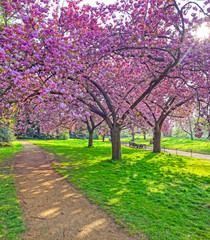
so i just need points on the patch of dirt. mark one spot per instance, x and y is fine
(52, 208)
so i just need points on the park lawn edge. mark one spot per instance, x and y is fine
(192, 186)
(197, 145)
(11, 221)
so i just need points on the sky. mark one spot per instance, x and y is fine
(90, 2)
(93, 2)
(204, 31)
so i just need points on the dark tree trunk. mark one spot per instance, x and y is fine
(208, 135)
(157, 139)
(90, 143)
(116, 144)
(133, 137)
(191, 130)
(191, 135)
(145, 137)
(57, 134)
(103, 138)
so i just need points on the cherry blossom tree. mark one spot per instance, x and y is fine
(92, 122)
(171, 102)
(103, 130)
(111, 59)
(139, 53)
(187, 125)
(34, 48)
(203, 107)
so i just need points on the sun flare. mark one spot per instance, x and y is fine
(203, 32)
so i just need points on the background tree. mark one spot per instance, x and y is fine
(92, 122)
(103, 130)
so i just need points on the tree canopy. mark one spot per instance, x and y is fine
(131, 62)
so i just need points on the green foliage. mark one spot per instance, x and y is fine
(79, 135)
(6, 134)
(34, 133)
(178, 132)
(11, 224)
(95, 136)
(1, 16)
(29, 134)
(162, 195)
(63, 136)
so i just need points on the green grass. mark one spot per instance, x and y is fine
(161, 195)
(185, 144)
(11, 224)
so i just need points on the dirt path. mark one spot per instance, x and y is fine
(53, 209)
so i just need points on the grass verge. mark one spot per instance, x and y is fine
(184, 144)
(11, 224)
(162, 195)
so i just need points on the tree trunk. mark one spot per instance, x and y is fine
(116, 144)
(191, 135)
(133, 137)
(208, 135)
(103, 138)
(145, 137)
(90, 143)
(157, 139)
(191, 130)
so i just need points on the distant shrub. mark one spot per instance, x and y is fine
(78, 135)
(63, 136)
(95, 136)
(6, 134)
(34, 133)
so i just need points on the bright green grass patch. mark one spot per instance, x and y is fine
(11, 224)
(185, 144)
(164, 196)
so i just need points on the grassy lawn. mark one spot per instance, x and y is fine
(185, 144)
(164, 196)
(11, 224)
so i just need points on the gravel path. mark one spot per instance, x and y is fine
(52, 208)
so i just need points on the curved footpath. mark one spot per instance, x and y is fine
(52, 208)
(177, 152)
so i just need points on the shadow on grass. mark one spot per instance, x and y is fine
(158, 194)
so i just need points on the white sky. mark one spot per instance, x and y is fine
(93, 2)
(203, 30)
